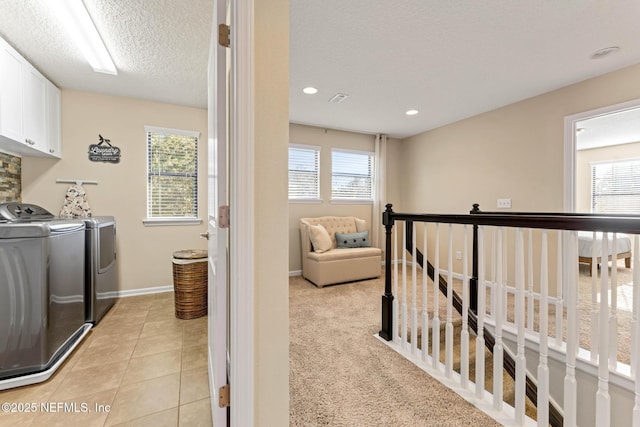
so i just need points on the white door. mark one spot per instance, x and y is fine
(217, 231)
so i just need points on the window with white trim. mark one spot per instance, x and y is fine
(172, 173)
(352, 175)
(615, 187)
(304, 173)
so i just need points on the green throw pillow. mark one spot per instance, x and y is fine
(353, 240)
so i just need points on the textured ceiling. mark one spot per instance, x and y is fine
(160, 47)
(448, 59)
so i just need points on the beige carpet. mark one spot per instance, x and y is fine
(341, 375)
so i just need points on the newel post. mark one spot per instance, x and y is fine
(473, 282)
(387, 299)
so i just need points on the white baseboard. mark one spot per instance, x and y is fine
(144, 291)
(295, 273)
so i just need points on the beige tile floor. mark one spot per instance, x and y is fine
(141, 362)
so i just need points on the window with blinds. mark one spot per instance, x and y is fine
(352, 175)
(304, 173)
(172, 178)
(615, 187)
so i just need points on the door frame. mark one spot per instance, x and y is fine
(241, 216)
(570, 146)
(241, 174)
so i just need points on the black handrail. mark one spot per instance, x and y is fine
(389, 217)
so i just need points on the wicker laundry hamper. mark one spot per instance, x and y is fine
(190, 283)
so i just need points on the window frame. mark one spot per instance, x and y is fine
(593, 194)
(318, 151)
(354, 200)
(171, 220)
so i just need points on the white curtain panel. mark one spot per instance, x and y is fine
(380, 191)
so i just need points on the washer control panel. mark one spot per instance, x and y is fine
(15, 211)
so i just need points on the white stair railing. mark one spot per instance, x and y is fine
(523, 309)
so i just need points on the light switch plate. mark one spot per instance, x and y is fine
(504, 203)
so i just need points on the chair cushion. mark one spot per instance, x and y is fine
(320, 238)
(345, 253)
(353, 240)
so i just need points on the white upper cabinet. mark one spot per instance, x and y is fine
(34, 104)
(53, 118)
(11, 84)
(29, 108)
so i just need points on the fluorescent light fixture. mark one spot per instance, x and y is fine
(310, 90)
(76, 20)
(412, 112)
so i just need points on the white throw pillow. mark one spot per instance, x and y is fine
(361, 225)
(319, 238)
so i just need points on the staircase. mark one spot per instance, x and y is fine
(480, 327)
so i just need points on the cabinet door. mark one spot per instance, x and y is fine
(34, 109)
(11, 84)
(54, 146)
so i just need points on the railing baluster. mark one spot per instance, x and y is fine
(499, 319)
(543, 368)
(603, 400)
(531, 298)
(595, 335)
(519, 318)
(570, 383)
(635, 329)
(482, 295)
(559, 289)
(635, 338)
(494, 245)
(425, 312)
(613, 318)
(464, 334)
(435, 357)
(396, 300)
(414, 291)
(505, 274)
(449, 325)
(403, 320)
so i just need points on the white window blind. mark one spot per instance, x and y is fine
(615, 187)
(304, 172)
(351, 175)
(172, 178)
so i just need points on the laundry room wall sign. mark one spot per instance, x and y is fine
(103, 151)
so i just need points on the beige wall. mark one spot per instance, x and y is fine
(583, 169)
(513, 152)
(144, 253)
(327, 139)
(271, 132)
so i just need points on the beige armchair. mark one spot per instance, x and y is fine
(325, 262)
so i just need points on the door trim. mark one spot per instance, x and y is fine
(242, 216)
(570, 146)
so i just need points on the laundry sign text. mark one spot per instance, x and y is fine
(103, 151)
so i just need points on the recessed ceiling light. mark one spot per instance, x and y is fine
(412, 112)
(604, 52)
(310, 90)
